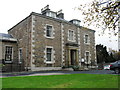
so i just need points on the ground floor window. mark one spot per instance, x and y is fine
(49, 54)
(8, 53)
(20, 55)
(87, 55)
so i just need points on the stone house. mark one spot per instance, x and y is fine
(47, 41)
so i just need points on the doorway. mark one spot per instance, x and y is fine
(73, 56)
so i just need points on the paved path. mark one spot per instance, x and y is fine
(55, 73)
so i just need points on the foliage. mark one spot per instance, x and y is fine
(1, 65)
(101, 13)
(76, 68)
(62, 81)
(116, 55)
(103, 55)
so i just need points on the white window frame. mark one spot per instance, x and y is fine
(8, 61)
(88, 39)
(52, 32)
(19, 59)
(73, 35)
(52, 55)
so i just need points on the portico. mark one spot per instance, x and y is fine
(72, 54)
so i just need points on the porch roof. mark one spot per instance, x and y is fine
(7, 37)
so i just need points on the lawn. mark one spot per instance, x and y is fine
(62, 81)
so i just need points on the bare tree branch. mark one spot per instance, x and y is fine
(103, 14)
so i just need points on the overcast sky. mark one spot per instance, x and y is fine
(13, 11)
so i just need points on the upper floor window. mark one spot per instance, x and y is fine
(49, 31)
(8, 53)
(86, 39)
(71, 35)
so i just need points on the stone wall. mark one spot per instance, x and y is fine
(12, 65)
(88, 47)
(41, 42)
(22, 32)
(31, 38)
(59, 41)
(0, 50)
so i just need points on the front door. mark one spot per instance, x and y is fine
(73, 57)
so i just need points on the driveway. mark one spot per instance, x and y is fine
(55, 73)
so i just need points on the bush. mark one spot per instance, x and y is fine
(1, 65)
(76, 68)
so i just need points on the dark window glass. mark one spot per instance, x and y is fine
(8, 53)
(49, 31)
(87, 56)
(86, 38)
(49, 54)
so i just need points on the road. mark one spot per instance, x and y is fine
(55, 73)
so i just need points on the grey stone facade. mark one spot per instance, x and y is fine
(31, 38)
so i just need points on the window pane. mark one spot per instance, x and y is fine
(49, 50)
(48, 57)
(71, 35)
(20, 55)
(8, 53)
(86, 38)
(48, 33)
(49, 54)
(87, 56)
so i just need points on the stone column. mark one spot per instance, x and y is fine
(77, 57)
(69, 59)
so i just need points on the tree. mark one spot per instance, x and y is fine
(102, 54)
(117, 56)
(103, 13)
(111, 58)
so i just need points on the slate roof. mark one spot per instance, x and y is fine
(57, 19)
(7, 37)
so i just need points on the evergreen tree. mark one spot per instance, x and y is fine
(102, 54)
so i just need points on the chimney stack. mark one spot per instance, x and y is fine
(45, 9)
(60, 14)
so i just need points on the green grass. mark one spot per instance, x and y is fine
(62, 81)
